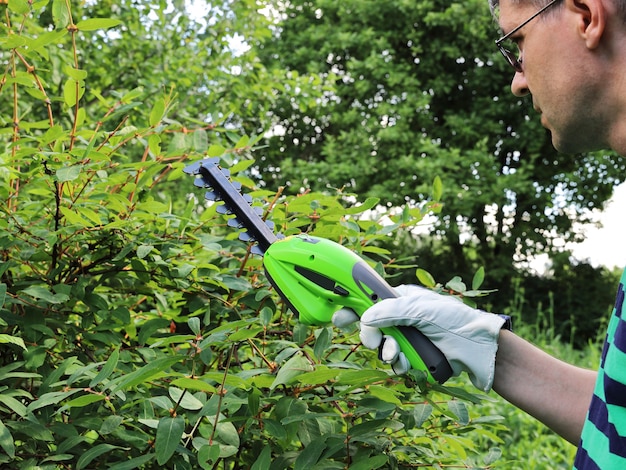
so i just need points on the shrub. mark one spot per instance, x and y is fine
(138, 332)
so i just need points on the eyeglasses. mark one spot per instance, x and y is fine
(510, 57)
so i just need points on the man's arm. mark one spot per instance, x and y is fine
(552, 391)
(556, 393)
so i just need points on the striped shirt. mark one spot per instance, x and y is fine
(603, 440)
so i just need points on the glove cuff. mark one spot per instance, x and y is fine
(508, 324)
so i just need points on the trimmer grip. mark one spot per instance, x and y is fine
(418, 349)
(421, 352)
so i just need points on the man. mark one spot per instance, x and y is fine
(572, 64)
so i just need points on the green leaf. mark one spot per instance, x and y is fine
(68, 173)
(264, 460)
(144, 250)
(74, 218)
(42, 293)
(147, 372)
(300, 333)
(245, 333)
(110, 424)
(215, 151)
(235, 283)
(275, 429)
(322, 343)
(90, 215)
(4, 338)
(368, 204)
(478, 279)
(361, 377)
(19, 7)
(58, 458)
(437, 188)
(425, 277)
(194, 325)
(137, 462)
(13, 42)
(84, 400)
(227, 433)
(154, 143)
(60, 14)
(177, 144)
(366, 427)
(494, 454)
(168, 436)
(73, 91)
(209, 455)
(200, 141)
(295, 366)
(14, 405)
(460, 411)
(93, 24)
(185, 399)
(310, 455)
(194, 384)
(370, 463)
(50, 398)
(241, 166)
(456, 284)
(35, 357)
(296, 418)
(132, 95)
(6, 441)
(3, 294)
(157, 113)
(242, 142)
(93, 453)
(150, 327)
(457, 392)
(76, 74)
(421, 412)
(320, 375)
(385, 394)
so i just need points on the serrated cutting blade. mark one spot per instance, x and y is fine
(210, 175)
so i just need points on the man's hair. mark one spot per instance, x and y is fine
(493, 4)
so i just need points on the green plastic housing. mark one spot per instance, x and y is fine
(317, 277)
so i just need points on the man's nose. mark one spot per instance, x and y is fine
(519, 86)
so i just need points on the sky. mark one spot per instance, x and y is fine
(606, 246)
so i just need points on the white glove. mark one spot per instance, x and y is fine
(466, 336)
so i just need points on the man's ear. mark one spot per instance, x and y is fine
(591, 19)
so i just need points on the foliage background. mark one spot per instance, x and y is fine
(418, 91)
(136, 331)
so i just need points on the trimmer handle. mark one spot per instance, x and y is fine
(317, 277)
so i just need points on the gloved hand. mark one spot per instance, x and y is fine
(466, 336)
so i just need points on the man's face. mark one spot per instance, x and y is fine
(556, 73)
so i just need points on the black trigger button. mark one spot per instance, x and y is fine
(340, 291)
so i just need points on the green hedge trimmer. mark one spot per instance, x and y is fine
(314, 276)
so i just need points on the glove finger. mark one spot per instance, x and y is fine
(389, 312)
(389, 350)
(402, 365)
(404, 290)
(371, 337)
(344, 317)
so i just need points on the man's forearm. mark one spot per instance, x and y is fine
(556, 393)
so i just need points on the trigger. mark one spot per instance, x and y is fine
(323, 281)
(341, 291)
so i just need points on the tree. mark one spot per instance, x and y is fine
(418, 89)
